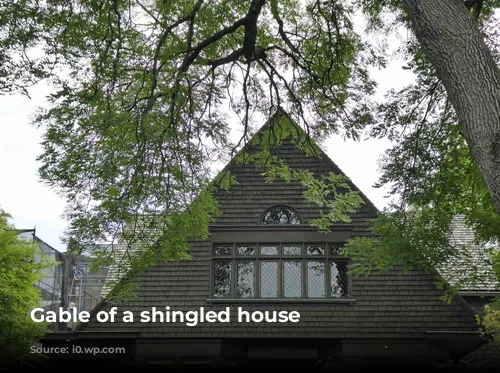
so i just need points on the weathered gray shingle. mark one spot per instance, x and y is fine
(471, 270)
(387, 304)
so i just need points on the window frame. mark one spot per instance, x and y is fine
(327, 258)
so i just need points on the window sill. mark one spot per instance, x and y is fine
(280, 301)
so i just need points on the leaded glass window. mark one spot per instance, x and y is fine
(279, 271)
(292, 249)
(292, 279)
(280, 215)
(268, 279)
(269, 250)
(339, 282)
(222, 276)
(246, 279)
(316, 279)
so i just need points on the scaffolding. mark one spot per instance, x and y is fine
(78, 288)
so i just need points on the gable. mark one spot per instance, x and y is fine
(385, 315)
(389, 310)
(246, 201)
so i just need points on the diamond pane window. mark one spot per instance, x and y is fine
(246, 276)
(222, 279)
(279, 270)
(335, 249)
(292, 272)
(315, 250)
(338, 279)
(222, 250)
(269, 250)
(245, 250)
(315, 279)
(269, 279)
(292, 249)
(280, 215)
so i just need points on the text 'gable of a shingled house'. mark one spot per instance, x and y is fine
(263, 255)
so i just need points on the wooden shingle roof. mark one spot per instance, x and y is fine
(471, 269)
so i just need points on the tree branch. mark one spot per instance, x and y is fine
(251, 28)
(212, 39)
(469, 4)
(162, 40)
(250, 23)
(230, 58)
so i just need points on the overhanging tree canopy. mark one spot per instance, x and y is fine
(137, 116)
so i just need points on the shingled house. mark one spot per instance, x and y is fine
(263, 255)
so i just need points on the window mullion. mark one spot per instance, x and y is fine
(255, 286)
(212, 278)
(281, 279)
(257, 278)
(234, 276)
(257, 270)
(304, 261)
(327, 269)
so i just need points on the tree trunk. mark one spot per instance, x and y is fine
(451, 41)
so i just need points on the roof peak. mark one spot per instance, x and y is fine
(300, 138)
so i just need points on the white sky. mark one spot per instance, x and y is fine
(33, 204)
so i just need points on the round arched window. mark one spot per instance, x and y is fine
(280, 215)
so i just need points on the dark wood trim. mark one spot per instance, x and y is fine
(281, 227)
(327, 258)
(281, 300)
(452, 334)
(282, 236)
(479, 293)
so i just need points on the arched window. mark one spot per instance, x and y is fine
(279, 215)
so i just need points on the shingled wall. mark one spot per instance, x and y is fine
(388, 305)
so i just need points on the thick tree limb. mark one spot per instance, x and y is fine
(251, 28)
(161, 42)
(250, 24)
(453, 44)
(195, 51)
(229, 58)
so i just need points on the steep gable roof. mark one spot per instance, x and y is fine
(383, 305)
(282, 136)
(473, 258)
(289, 135)
(254, 197)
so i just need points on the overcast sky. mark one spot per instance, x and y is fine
(33, 204)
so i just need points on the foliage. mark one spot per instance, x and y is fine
(433, 179)
(19, 270)
(173, 244)
(331, 192)
(138, 116)
(490, 322)
(431, 170)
